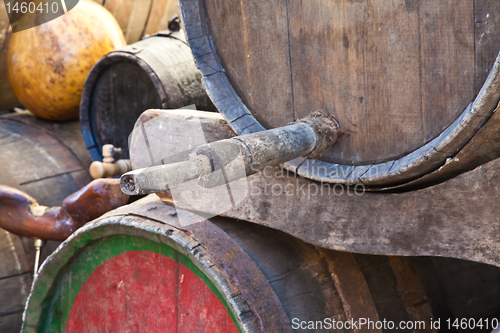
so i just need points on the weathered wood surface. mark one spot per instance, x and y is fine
(67, 132)
(294, 282)
(157, 72)
(458, 218)
(17, 256)
(11, 323)
(15, 281)
(14, 260)
(351, 284)
(36, 160)
(150, 142)
(396, 75)
(15, 289)
(139, 18)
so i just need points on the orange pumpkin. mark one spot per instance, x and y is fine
(48, 64)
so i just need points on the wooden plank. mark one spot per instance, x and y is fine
(461, 220)
(68, 132)
(11, 323)
(270, 99)
(393, 118)
(383, 287)
(15, 289)
(137, 20)
(250, 53)
(13, 260)
(24, 145)
(162, 11)
(327, 47)
(412, 292)
(233, 56)
(447, 57)
(234, 247)
(370, 63)
(121, 11)
(487, 41)
(351, 286)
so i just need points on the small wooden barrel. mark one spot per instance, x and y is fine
(48, 161)
(155, 73)
(141, 17)
(410, 82)
(137, 267)
(8, 99)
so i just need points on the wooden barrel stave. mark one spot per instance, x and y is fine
(140, 18)
(16, 277)
(157, 72)
(232, 80)
(48, 161)
(261, 273)
(295, 271)
(39, 154)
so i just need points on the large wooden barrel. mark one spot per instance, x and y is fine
(152, 273)
(410, 82)
(155, 73)
(141, 17)
(8, 99)
(48, 161)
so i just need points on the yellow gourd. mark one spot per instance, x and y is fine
(48, 64)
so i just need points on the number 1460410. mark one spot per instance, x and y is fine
(472, 324)
(31, 7)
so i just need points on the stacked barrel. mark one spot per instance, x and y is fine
(380, 69)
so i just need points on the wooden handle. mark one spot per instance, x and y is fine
(98, 197)
(105, 170)
(21, 214)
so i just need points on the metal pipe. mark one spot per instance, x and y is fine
(227, 160)
(39, 244)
